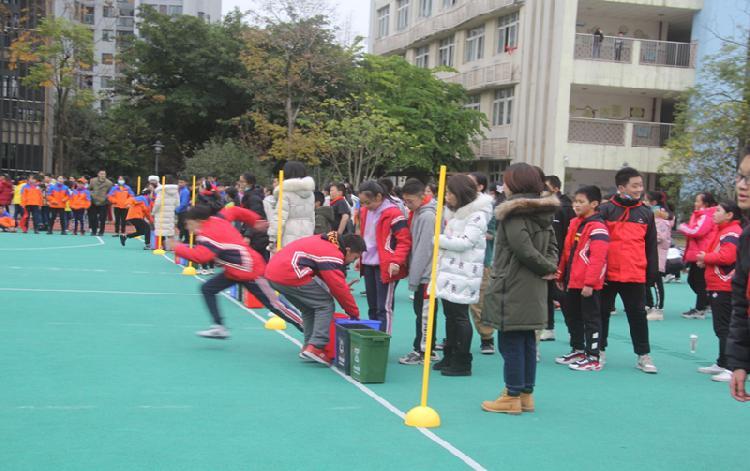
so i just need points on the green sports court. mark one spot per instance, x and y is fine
(101, 370)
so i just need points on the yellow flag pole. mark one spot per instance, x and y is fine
(190, 269)
(160, 240)
(139, 186)
(423, 416)
(276, 322)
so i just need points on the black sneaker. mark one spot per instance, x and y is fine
(487, 347)
(122, 240)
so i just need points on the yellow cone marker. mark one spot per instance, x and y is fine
(422, 415)
(276, 322)
(190, 270)
(160, 250)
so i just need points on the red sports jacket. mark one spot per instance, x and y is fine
(721, 257)
(297, 263)
(633, 255)
(218, 240)
(394, 241)
(584, 258)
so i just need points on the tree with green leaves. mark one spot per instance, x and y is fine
(712, 125)
(227, 160)
(185, 78)
(57, 54)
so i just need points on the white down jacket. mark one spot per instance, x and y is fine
(164, 221)
(297, 211)
(462, 246)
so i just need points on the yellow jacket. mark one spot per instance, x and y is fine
(17, 192)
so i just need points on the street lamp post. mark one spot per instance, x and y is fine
(158, 146)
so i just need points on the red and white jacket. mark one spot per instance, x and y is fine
(221, 242)
(393, 239)
(721, 257)
(700, 232)
(584, 259)
(302, 260)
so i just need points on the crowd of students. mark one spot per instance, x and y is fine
(509, 254)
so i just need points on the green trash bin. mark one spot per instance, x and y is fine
(368, 351)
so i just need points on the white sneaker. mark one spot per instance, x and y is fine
(210, 271)
(215, 332)
(724, 377)
(613, 312)
(711, 370)
(668, 278)
(203, 271)
(602, 358)
(411, 297)
(646, 365)
(655, 314)
(547, 335)
(538, 356)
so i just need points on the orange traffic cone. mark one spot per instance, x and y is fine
(251, 302)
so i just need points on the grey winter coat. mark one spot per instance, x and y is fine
(525, 251)
(422, 241)
(99, 190)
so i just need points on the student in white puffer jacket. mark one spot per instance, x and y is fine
(461, 265)
(298, 206)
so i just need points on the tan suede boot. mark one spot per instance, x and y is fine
(527, 402)
(504, 404)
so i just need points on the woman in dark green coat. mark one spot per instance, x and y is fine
(516, 299)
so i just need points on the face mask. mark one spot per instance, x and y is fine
(120, 182)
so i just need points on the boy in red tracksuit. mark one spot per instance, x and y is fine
(309, 272)
(31, 200)
(385, 231)
(580, 275)
(57, 198)
(216, 239)
(632, 262)
(719, 261)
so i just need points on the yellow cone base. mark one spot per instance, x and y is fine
(276, 323)
(159, 252)
(189, 271)
(420, 416)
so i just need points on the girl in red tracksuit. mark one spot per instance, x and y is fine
(386, 234)
(699, 232)
(719, 261)
(218, 240)
(580, 273)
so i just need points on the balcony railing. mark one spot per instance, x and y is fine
(484, 77)
(626, 50)
(667, 53)
(612, 49)
(610, 132)
(442, 21)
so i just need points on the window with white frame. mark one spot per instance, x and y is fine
(474, 102)
(402, 12)
(446, 50)
(474, 45)
(384, 18)
(108, 35)
(507, 32)
(174, 10)
(502, 106)
(425, 8)
(422, 57)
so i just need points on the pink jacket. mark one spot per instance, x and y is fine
(663, 240)
(700, 231)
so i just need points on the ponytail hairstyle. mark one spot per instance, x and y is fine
(731, 207)
(372, 189)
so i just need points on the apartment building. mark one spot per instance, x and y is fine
(24, 141)
(577, 87)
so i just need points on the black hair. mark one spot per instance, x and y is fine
(413, 187)
(746, 151)
(463, 188)
(170, 180)
(555, 182)
(319, 197)
(522, 178)
(433, 188)
(708, 198)
(250, 178)
(481, 180)
(232, 193)
(341, 187)
(145, 192)
(199, 212)
(591, 192)
(353, 242)
(387, 185)
(623, 176)
(294, 169)
(372, 189)
(731, 207)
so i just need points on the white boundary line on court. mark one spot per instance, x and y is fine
(86, 291)
(469, 461)
(101, 242)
